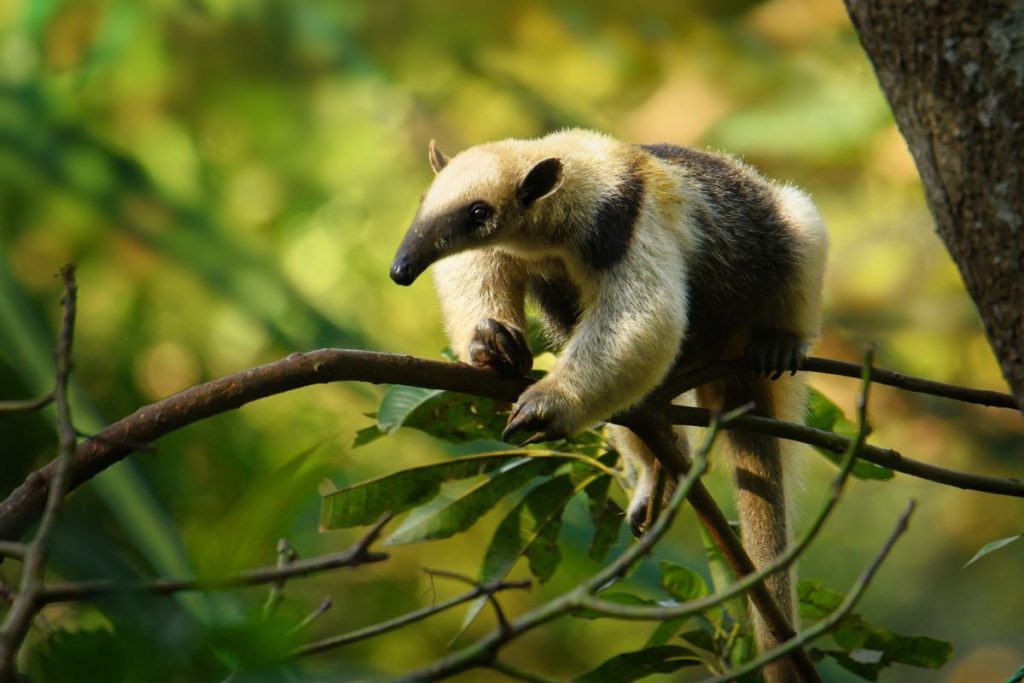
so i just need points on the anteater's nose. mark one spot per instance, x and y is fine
(401, 273)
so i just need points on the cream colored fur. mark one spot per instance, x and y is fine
(634, 313)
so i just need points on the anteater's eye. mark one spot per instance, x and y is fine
(480, 212)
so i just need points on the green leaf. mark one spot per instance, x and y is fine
(399, 403)
(367, 435)
(815, 601)
(606, 515)
(395, 493)
(467, 510)
(682, 583)
(992, 547)
(528, 530)
(823, 414)
(634, 666)
(1018, 677)
(666, 630)
(866, 665)
(446, 415)
(868, 648)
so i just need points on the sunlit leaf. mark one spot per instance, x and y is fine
(399, 403)
(446, 415)
(825, 415)
(992, 547)
(367, 435)
(395, 493)
(682, 583)
(467, 510)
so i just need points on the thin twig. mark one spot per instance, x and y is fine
(400, 621)
(40, 622)
(482, 587)
(19, 618)
(26, 405)
(12, 549)
(357, 555)
(681, 381)
(324, 605)
(885, 457)
(285, 556)
(832, 620)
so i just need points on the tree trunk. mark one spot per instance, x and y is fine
(953, 73)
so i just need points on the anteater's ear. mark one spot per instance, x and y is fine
(438, 160)
(543, 179)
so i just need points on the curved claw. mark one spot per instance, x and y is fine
(525, 418)
(771, 353)
(500, 347)
(528, 416)
(638, 521)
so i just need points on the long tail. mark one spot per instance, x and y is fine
(762, 500)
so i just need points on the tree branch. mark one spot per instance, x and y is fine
(659, 439)
(832, 620)
(680, 381)
(19, 618)
(357, 555)
(26, 405)
(744, 583)
(886, 457)
(12, 549)
(484, 589)
(484, 651)
(151, 422)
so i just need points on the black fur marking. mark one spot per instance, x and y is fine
(559, 299)
(608, 238)
(747, 255)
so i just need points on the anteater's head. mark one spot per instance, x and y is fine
(480, 197)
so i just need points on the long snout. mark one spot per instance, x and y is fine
(419, 248)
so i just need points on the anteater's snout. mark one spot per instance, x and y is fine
(402, 272)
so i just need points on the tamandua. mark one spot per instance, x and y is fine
(640, 257)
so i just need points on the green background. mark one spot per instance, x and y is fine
(232, 179)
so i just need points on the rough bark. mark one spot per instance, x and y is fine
(953, 73)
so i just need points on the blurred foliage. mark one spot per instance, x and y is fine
(232, 179)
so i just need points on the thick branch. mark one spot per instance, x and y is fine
(151, 422)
